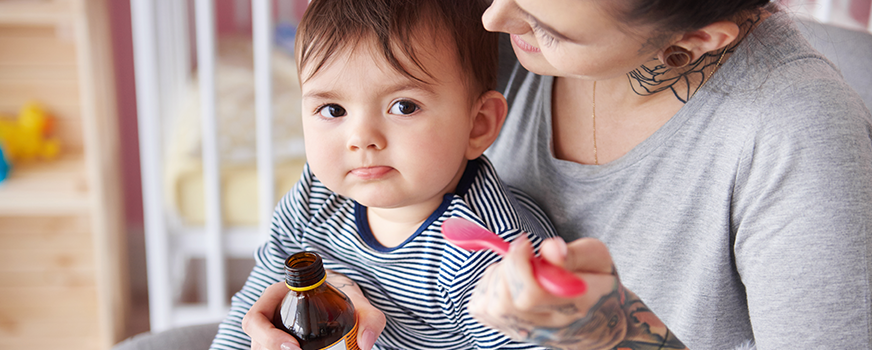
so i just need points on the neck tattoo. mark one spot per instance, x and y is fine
(593, 101)
(653, 78)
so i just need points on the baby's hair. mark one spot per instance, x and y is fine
(330, 26)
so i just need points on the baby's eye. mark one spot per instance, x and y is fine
(404, 107)
(332, 111)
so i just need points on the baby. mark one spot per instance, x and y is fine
(398, 107)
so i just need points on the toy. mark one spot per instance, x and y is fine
(28, 136)
(4, 165)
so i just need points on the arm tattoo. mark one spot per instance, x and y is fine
(604, 326)
(619, 320)
(646, 331)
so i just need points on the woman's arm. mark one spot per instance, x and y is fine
(607, 316)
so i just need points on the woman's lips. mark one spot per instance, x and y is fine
(371, 173)
(523, 45)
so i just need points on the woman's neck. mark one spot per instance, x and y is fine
(597, 124)
(622, 119)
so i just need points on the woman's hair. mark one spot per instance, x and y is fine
(330, 26)
(671, 16)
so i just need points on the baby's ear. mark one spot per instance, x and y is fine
(489, 114)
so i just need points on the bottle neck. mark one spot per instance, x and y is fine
(304, 271)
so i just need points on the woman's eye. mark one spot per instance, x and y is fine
(544, 38)
(404, 107)
(332, 111)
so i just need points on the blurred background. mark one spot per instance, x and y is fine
(132, 186)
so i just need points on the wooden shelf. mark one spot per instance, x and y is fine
(35, 12)
(62, 264)
(55, 187)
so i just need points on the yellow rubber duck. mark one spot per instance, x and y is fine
(28, 136)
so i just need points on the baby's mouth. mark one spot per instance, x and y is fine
(371, 172)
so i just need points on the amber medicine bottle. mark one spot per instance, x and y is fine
(317, 314)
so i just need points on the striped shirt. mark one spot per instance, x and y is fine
(422, 286)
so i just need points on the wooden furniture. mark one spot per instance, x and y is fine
(63, 282)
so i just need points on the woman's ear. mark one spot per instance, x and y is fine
(710, 38)
(489, 114)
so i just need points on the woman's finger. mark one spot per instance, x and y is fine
(588, 255)
(554, 251)
(517, 274)
(257, 323)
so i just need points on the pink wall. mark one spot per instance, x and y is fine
(126, 94)
(860, 10)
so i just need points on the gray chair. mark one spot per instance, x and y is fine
(198, 337)
(849, 50)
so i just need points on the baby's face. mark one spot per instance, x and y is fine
(382, 138)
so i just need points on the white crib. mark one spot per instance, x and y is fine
(162, 60)
(162, 56)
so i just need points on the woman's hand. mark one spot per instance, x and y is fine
(257, 323)
(509, 299)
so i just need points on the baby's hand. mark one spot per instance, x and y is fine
(257, 323)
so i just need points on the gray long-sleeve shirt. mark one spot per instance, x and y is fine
(746, 217)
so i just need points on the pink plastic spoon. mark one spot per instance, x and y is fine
(467, 235)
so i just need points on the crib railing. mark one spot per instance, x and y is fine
(149, 110)
(162, 56)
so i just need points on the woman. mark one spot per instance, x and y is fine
(698, 149)
(704, 151)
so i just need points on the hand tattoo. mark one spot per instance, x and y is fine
(619, 320)
(603, 327)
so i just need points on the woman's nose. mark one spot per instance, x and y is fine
(503, 16)
(367, 134)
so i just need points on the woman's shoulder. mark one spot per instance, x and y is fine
(780, 79)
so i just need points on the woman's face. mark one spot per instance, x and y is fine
(570, 38)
